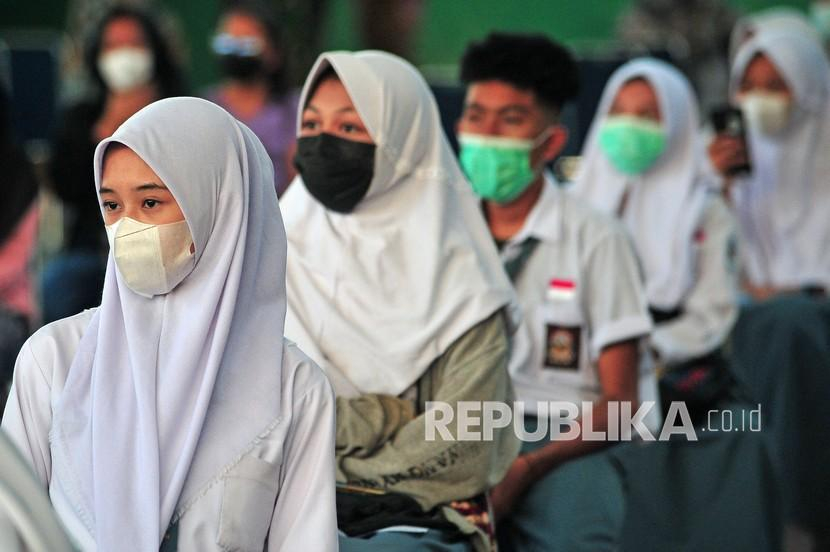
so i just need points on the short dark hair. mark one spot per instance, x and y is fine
(168, 74)
(528, 62)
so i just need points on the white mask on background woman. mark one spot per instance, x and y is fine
(126, 68)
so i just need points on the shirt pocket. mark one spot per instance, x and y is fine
(563, 335)
(249, 495)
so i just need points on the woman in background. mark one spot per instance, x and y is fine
(781, 81)
(255, 90)
(642, 163)
(18, 236)
(130, 66)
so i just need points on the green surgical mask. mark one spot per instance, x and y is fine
(498, 168)
(632, 144)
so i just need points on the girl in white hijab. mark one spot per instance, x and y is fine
(642, 162)
(175, 414)
(781, 81)
(395, 288)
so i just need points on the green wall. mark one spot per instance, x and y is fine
(447, 24)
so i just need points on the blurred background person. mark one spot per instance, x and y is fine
(579, 284)
(130, 66)
(18, 233)
(781, 81)
(642, 163)
(255, 90)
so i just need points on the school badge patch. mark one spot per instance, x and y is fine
(562, 347)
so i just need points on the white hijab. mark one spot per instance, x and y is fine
(776, 19)
(782, 205)
(378, 294)
(665, 203)
(165, 392)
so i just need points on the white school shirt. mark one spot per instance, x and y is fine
(280, 489)
(581, 290)
(709, 308)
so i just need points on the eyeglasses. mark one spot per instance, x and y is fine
(225, 45)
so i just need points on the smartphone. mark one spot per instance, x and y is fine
(729, 121)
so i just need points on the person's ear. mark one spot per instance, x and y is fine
(555, 143)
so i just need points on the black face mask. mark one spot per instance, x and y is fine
(243, 68)
(336, 171)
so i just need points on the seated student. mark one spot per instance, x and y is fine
(395, 289)
(642, 162)
(175, 414)
(578, 282)
(782, 82)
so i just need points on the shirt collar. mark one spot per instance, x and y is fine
(544, 222)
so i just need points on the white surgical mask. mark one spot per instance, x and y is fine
(151, 258)
(768, 112)
(126, 68)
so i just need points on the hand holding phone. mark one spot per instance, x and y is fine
(728, 151)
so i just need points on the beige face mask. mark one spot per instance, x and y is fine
(151, 258)
(768, 112)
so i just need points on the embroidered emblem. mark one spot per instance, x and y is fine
(562, 348)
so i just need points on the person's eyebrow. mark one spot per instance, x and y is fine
(516, 108)
(150, 186)
(341, 110)
(104, 190)
(474, 106)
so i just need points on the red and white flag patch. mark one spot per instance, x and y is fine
(561, 289)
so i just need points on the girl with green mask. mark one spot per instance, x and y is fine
(643, 163)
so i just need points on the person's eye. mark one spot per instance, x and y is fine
(150, 203)
(514, 121)
(109, 205)
(350, 128)
(309, 125)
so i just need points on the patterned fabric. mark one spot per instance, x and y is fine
(477, 511)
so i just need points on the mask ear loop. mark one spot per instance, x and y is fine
(538, 141)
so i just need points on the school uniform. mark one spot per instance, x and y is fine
(402, 300)
(178, 417)
(782, 227)
(581, 290)
(235, 509)
(681, 229)
(780, 344)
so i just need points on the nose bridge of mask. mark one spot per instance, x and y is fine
(152, 259)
